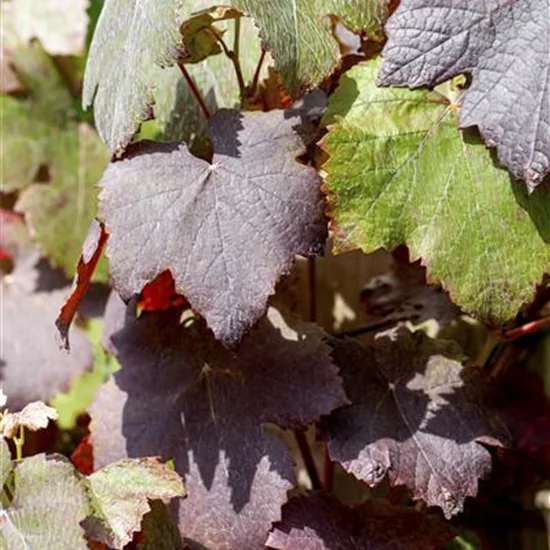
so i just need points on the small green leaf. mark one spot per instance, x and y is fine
(48, 506)
(200, 35)
(401, 172)
(119, 494)
(77, 159)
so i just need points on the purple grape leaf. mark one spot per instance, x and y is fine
(34, 367)
(417, 415)
(318, 522)
(182, 395)
(500, 44)
(226, 230)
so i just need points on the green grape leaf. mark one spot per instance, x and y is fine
(77, 159)
(51, 159)
(200, 35)
(400, 172)
(119, 494)
(132, 42)
(6, 467)
(49, 504)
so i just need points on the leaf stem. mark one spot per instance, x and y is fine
(233, 56)
(309, 463)
(194, 90)
(19, 442)
(256, 78)
(529, 328)
(237, 38)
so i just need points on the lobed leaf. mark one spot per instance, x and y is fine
(496, 42)
(417, 415)
(182, 395)
(400, 172)
(54, 161)
(226, 230)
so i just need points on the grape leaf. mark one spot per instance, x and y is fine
(182, 395)
(319, 522)
(226, 230)
(60, 26)
(43, 143)
(69, 200)
(495, 41)
(49, 504)
(417, 414)
(298, 34)
(89, 258)
(35, 368)
(133, 40)
(119, 494)
(417, 180)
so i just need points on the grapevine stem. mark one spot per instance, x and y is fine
(309, 463)
(529, 328)
(257, 72)
(19, 442)
(233, 56)
(194, 90)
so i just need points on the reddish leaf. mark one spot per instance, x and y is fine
(83, 456)
(417, 415)
(182, 395)
(91, 252)
(321, 523)
(160, 294)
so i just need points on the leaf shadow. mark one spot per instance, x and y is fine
(224, 128)
(536, 204)
(185, 402)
